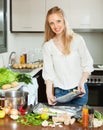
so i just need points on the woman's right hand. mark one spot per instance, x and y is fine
(50, 97)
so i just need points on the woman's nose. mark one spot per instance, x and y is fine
(55, 25)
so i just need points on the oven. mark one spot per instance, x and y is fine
(95, 87)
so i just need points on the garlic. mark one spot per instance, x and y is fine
(72, 120)
(14, 117)
(45, 123)
(97, 123)
(52, 125)
(66, 121)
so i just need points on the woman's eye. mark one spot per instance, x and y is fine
(58, 21)
(50, 23)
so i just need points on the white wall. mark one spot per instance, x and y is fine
(94, 41)
(32, 42)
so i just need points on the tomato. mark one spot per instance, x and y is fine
(2, 113)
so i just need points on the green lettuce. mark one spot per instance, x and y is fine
(7, 76)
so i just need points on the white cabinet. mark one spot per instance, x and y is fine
(81, 14)
(64, 4)
(27, 15)
(86, 14)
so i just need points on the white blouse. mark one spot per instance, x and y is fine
(65, 71)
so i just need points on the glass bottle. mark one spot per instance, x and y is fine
(91, 117)
(85, 116)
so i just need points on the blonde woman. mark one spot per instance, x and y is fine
(67, 61)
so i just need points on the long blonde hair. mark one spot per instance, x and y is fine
(68, 32)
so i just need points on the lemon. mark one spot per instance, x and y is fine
(44, 116)
(2, 113)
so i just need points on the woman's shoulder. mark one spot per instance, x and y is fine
(77, 36)
(48, 45)
(78, 39)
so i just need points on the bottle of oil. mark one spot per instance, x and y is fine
(23, 57)
(91, 117)
(85, 116)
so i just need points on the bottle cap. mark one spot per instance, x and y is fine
(85, 110)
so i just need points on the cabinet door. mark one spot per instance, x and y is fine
(81, 14)
(27, 15)
(86, 14)
(64, 4)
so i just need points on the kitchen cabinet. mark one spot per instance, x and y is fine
(81, 14)
(86, 14)
(64, 4)
(27, 15)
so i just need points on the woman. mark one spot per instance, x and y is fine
(67, 61)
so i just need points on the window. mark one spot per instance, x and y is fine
(3, 26)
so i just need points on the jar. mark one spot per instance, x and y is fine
(2, 102)
(22, 59)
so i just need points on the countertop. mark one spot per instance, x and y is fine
(9, 124)
(35, 71)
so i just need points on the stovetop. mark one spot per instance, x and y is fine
(96, 76)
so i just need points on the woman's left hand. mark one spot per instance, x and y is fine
(81, 88)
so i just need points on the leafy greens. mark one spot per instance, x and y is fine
(7, 76)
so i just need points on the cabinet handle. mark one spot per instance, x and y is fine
(26, 27)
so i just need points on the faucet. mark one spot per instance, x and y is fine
(11, 59)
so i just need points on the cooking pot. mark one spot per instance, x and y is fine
(15, 99)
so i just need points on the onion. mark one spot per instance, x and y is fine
(14, 112)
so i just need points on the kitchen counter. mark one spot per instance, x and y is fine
(35, 71)
(9, 124)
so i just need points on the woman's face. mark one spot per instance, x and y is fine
(56, 22)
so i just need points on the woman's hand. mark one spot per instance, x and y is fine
(50, 93)
(50, 97)
(81, 88)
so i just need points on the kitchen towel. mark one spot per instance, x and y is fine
(32, 89)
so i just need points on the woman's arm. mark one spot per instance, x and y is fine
(48, 73)
(50, 92)
(82, 82)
